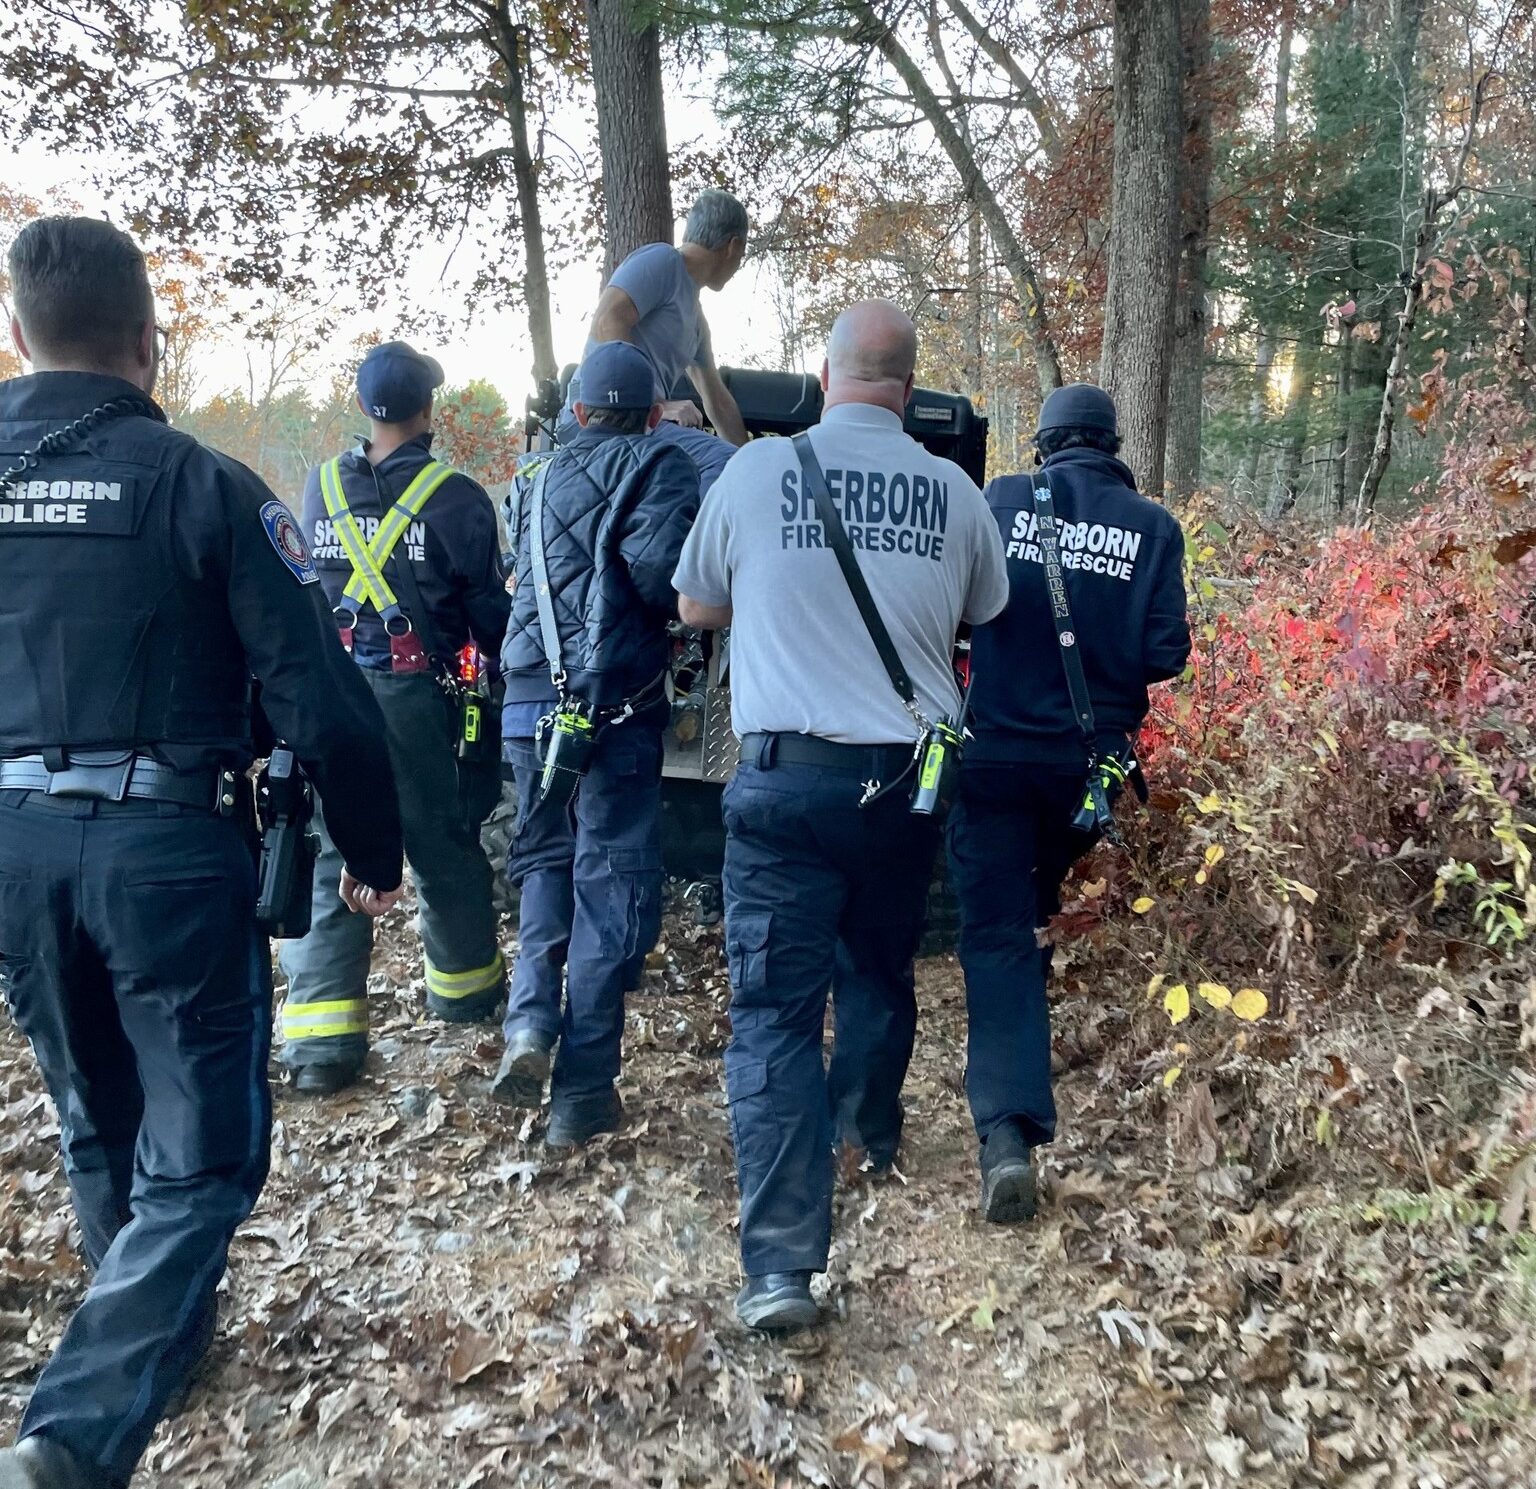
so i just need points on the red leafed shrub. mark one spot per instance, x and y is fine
(1342, 783)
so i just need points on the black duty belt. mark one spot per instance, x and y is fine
(90, 775)
(874, 761)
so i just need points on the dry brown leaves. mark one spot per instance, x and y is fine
(1213, 1294)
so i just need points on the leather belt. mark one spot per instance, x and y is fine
(93, 775)
(875, 761)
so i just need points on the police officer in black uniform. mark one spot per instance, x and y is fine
(1021, 820)
(143, 581)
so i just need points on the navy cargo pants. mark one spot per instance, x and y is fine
(590, 880)
(442, 804)
(1011, 842)
(135, 968)
(818, 890)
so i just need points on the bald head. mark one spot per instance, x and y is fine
(871, 356)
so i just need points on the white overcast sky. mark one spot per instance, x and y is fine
(492, 344)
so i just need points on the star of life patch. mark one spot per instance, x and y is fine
(286, 537)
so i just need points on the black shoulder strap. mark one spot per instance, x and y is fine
(398, 567)
(837, 540)
(1056, 587)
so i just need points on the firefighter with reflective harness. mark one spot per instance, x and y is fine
(409, 553)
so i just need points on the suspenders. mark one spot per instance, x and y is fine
(368, 586)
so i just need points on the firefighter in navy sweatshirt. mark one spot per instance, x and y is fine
(408, 551)
(1012, 837)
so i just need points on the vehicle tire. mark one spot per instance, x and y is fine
(496, 839)
(941, 934)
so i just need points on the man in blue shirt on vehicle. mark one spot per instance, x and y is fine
(652, 302)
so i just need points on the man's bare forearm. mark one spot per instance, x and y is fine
(702, 617)
(726, 418)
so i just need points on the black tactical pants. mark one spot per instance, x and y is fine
(133, 965)
(1011, 843)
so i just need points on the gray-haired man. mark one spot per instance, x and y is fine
(652, 302)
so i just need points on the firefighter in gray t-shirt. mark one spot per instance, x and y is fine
(826, 865)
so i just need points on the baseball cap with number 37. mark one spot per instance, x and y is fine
(395, 382)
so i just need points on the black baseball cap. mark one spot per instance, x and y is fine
(395, 382)
(1079, 406)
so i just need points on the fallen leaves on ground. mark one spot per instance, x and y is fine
(1209, 1296)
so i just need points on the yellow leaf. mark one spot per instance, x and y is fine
(1171, 1075)
(1176, 1001)
(1201, 877)
(1207, 552)
(1142, 905)
(1324, 1130)
(1214, 855)
(1181, 1048)
(1215, 994)
(1305, 891)
(1250, 1004)
(1156, 985)
(1209, 804)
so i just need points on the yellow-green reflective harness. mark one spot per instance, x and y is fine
(368, 586)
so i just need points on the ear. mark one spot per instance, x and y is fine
(826, 374)
(19, 340)
(653, 418)
(358, 400)
(580, 410)
(906, 392)
(145, 350)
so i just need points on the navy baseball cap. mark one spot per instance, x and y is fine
(617, 375)
(1079, 406)
(395, 382)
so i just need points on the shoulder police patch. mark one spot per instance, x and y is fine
(285, 536)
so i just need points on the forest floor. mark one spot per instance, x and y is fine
(1283, 1269)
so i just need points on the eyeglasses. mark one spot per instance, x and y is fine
(162, 340)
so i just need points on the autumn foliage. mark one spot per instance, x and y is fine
(1342, 786)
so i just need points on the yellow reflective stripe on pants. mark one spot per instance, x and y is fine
(465, 984)
(367, 582)
(323, 1020)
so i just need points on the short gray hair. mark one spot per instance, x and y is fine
(714, 219)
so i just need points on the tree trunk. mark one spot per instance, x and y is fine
(1407, 319)
(1143, 237)
(631, 131)
(1264, 351)
(871, 28)
(1186, 389)
(1298, 418)
(1342, 422)
(512, 44)
(975, 303)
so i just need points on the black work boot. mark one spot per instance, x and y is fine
(41, 1463)
(778, 1302)
(468, 1010)
(572, 1124)
(1007, 1177)
(326, 1079)
(523, 1071)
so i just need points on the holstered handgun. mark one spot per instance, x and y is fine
(285, 806)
